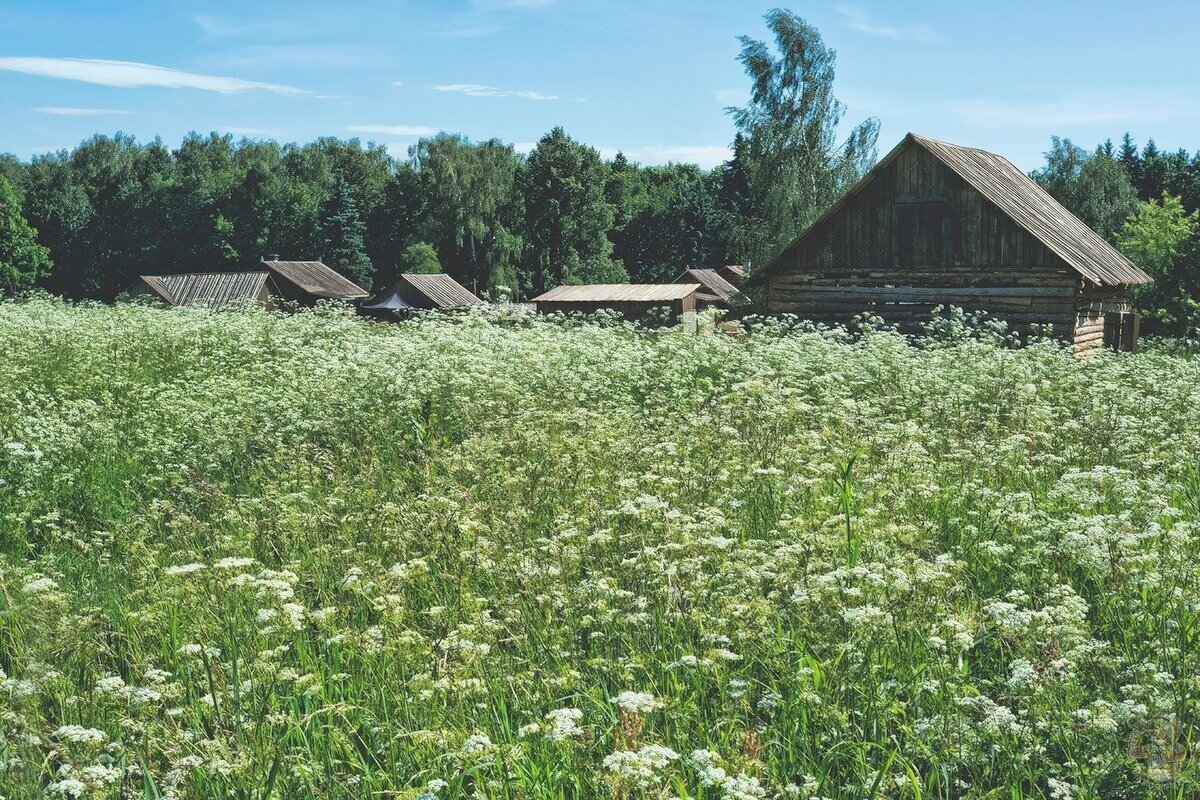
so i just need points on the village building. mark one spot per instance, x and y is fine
(714, 292)
(215, 290)
(734, 273)
(634, 301)
(306, 282)
(421, 291)
(938, 224)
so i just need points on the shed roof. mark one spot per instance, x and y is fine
(316, 279)
(442, 290)
(216, 290)
(1018, 196)
(619, 293)
(712, 285)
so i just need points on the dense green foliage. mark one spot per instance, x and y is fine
(344, 234)
(253, 555)
(22, 259)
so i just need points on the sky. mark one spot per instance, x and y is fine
(650, 78)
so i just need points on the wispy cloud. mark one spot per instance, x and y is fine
(131, 74)
(479, 90)
(72, 111)
(395, 130)
(862, 22)
(706, 156)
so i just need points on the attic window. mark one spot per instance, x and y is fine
(919, 232)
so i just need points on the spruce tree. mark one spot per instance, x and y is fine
(343, 234)
(22, 260)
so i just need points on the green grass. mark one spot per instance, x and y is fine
(259, 556)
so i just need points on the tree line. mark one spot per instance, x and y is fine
(114, 208)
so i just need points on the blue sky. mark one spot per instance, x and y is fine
(651, 78)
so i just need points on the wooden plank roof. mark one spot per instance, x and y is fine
(442, 290)
(619, 293)
(714, 287)
(215, 290)
(1018, 196)
(316, 279)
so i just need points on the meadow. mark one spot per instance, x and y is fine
(249, 555)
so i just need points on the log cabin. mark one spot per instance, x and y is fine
(939, 224)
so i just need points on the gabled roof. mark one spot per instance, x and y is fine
(619, 293)
(1018, 196)
(442, 290)
(215, 290)
(713, 287)
(316, 279)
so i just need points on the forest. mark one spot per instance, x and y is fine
(85, 223)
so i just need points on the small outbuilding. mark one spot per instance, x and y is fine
(215, 290)
(421, 291)
(714, 292)
(939, 224)
(634, 301)
(306, 282)
(734, 273)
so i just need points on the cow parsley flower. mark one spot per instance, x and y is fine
(640, 767)
(636, 702)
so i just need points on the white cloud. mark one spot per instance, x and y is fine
(858, 20)
(72, 111)
(131, 74)
(707, 156)
(479, 90)
(395, 130)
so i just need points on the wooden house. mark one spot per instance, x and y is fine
(634, 301)
(420, 291)
(939, 224)
(215, 290)
(734, 273)
(306, 282)
(714, 292)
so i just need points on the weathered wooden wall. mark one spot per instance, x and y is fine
(915, 237)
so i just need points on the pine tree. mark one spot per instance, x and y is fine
(22, 260)
(344, 234)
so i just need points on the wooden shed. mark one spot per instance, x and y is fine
(939, 224)
(307, 282)
(634, 301)
(734, 273)
(421, 291)
(215, 290)
(714, 292)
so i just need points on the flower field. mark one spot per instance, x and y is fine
(259, 556)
